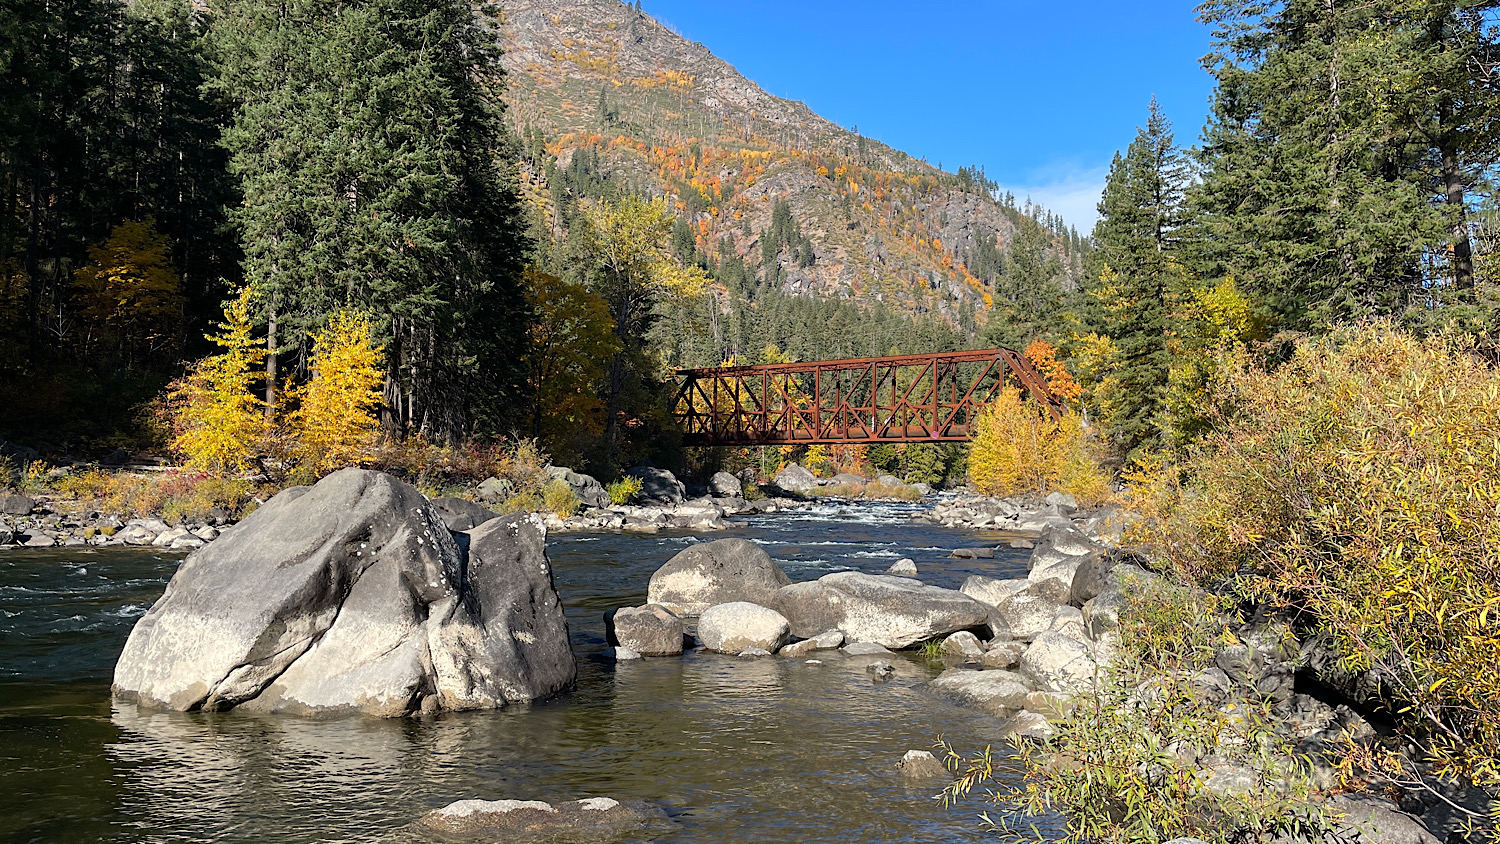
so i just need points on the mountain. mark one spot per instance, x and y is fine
(649, 109)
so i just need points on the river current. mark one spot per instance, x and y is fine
(735, 750)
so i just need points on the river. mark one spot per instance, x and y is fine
(735, 750)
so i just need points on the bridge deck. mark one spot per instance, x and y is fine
(906, 398)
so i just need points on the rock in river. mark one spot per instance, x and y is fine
(526, 821)
(739, 626)
(718, 572)
(896, 612)
(651, 630)
(352, 596)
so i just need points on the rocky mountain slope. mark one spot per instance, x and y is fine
(665, 115)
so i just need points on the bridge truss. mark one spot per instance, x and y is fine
(910, 398)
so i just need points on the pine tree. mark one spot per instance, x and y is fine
(365, 140)
(1139, 241)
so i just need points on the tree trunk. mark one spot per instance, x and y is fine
(1461, 250)
(271, 367)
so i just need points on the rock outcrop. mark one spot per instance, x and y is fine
(717, 572)
(353, 596)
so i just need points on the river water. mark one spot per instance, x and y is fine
(735, 750)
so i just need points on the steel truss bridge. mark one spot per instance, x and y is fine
(905, 399)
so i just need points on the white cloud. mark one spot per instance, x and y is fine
(1073, 193)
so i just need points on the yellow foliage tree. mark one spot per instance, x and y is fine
(132, 304)
(1019, 449)
(334, 424)
(1043, 356)
(217, 422)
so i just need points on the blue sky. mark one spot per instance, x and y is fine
(1042, 94)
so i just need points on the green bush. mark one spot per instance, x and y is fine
(621, 491)
(1358, 486)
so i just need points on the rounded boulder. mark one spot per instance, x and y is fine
(739, 626)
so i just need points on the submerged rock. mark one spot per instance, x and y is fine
(352, 596)
(717, 572)
(895, 612)
(921, 765)
(1000, 693)
(526, 821)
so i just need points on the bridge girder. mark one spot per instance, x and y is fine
(900, 399)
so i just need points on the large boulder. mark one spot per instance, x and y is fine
(1057, 662)
(460, 515)
(1000, 693)
(795, 479)
(725, 485)
(352, 596)
(588, 490)
(895, 612)
(17, 505)
(718, 572)
(651, 630)
(658, 486)
(527, 821)
(1028, 612)
(739, 626)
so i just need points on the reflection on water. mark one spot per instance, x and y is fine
(735, 750)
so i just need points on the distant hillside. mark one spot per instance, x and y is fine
(869, 223)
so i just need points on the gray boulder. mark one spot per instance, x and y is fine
(588, 490)
(724, 485)
(658, 486)
(7, 536)
(962, 646)
(1056, 662)
(135, 535)
(1028, 612)
(17, 505)
(989, 590)
(651, 630)
(592, 819)
(847, 479)
(895, 612)
(795, 479)
(739, 626)
(821, 642)
(866, 649)
(717, 572)
(495, 490)
(1028, 725)
(460, 515)
(903, 568)
(352, 596)
(1000, 693)
(921, 766)
(40, 540)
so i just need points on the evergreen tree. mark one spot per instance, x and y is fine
(1139, 239)
(1342, 148)
(366, 141)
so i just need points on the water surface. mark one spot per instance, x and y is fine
(736, 750)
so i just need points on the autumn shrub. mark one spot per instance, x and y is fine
(626, 488)
(9, 476)
(1021, 450)
(185, 496)
(1123, 766)
(334, 424)
(1357, 486)
(558, 497)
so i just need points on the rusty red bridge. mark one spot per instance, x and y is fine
(905, 399)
